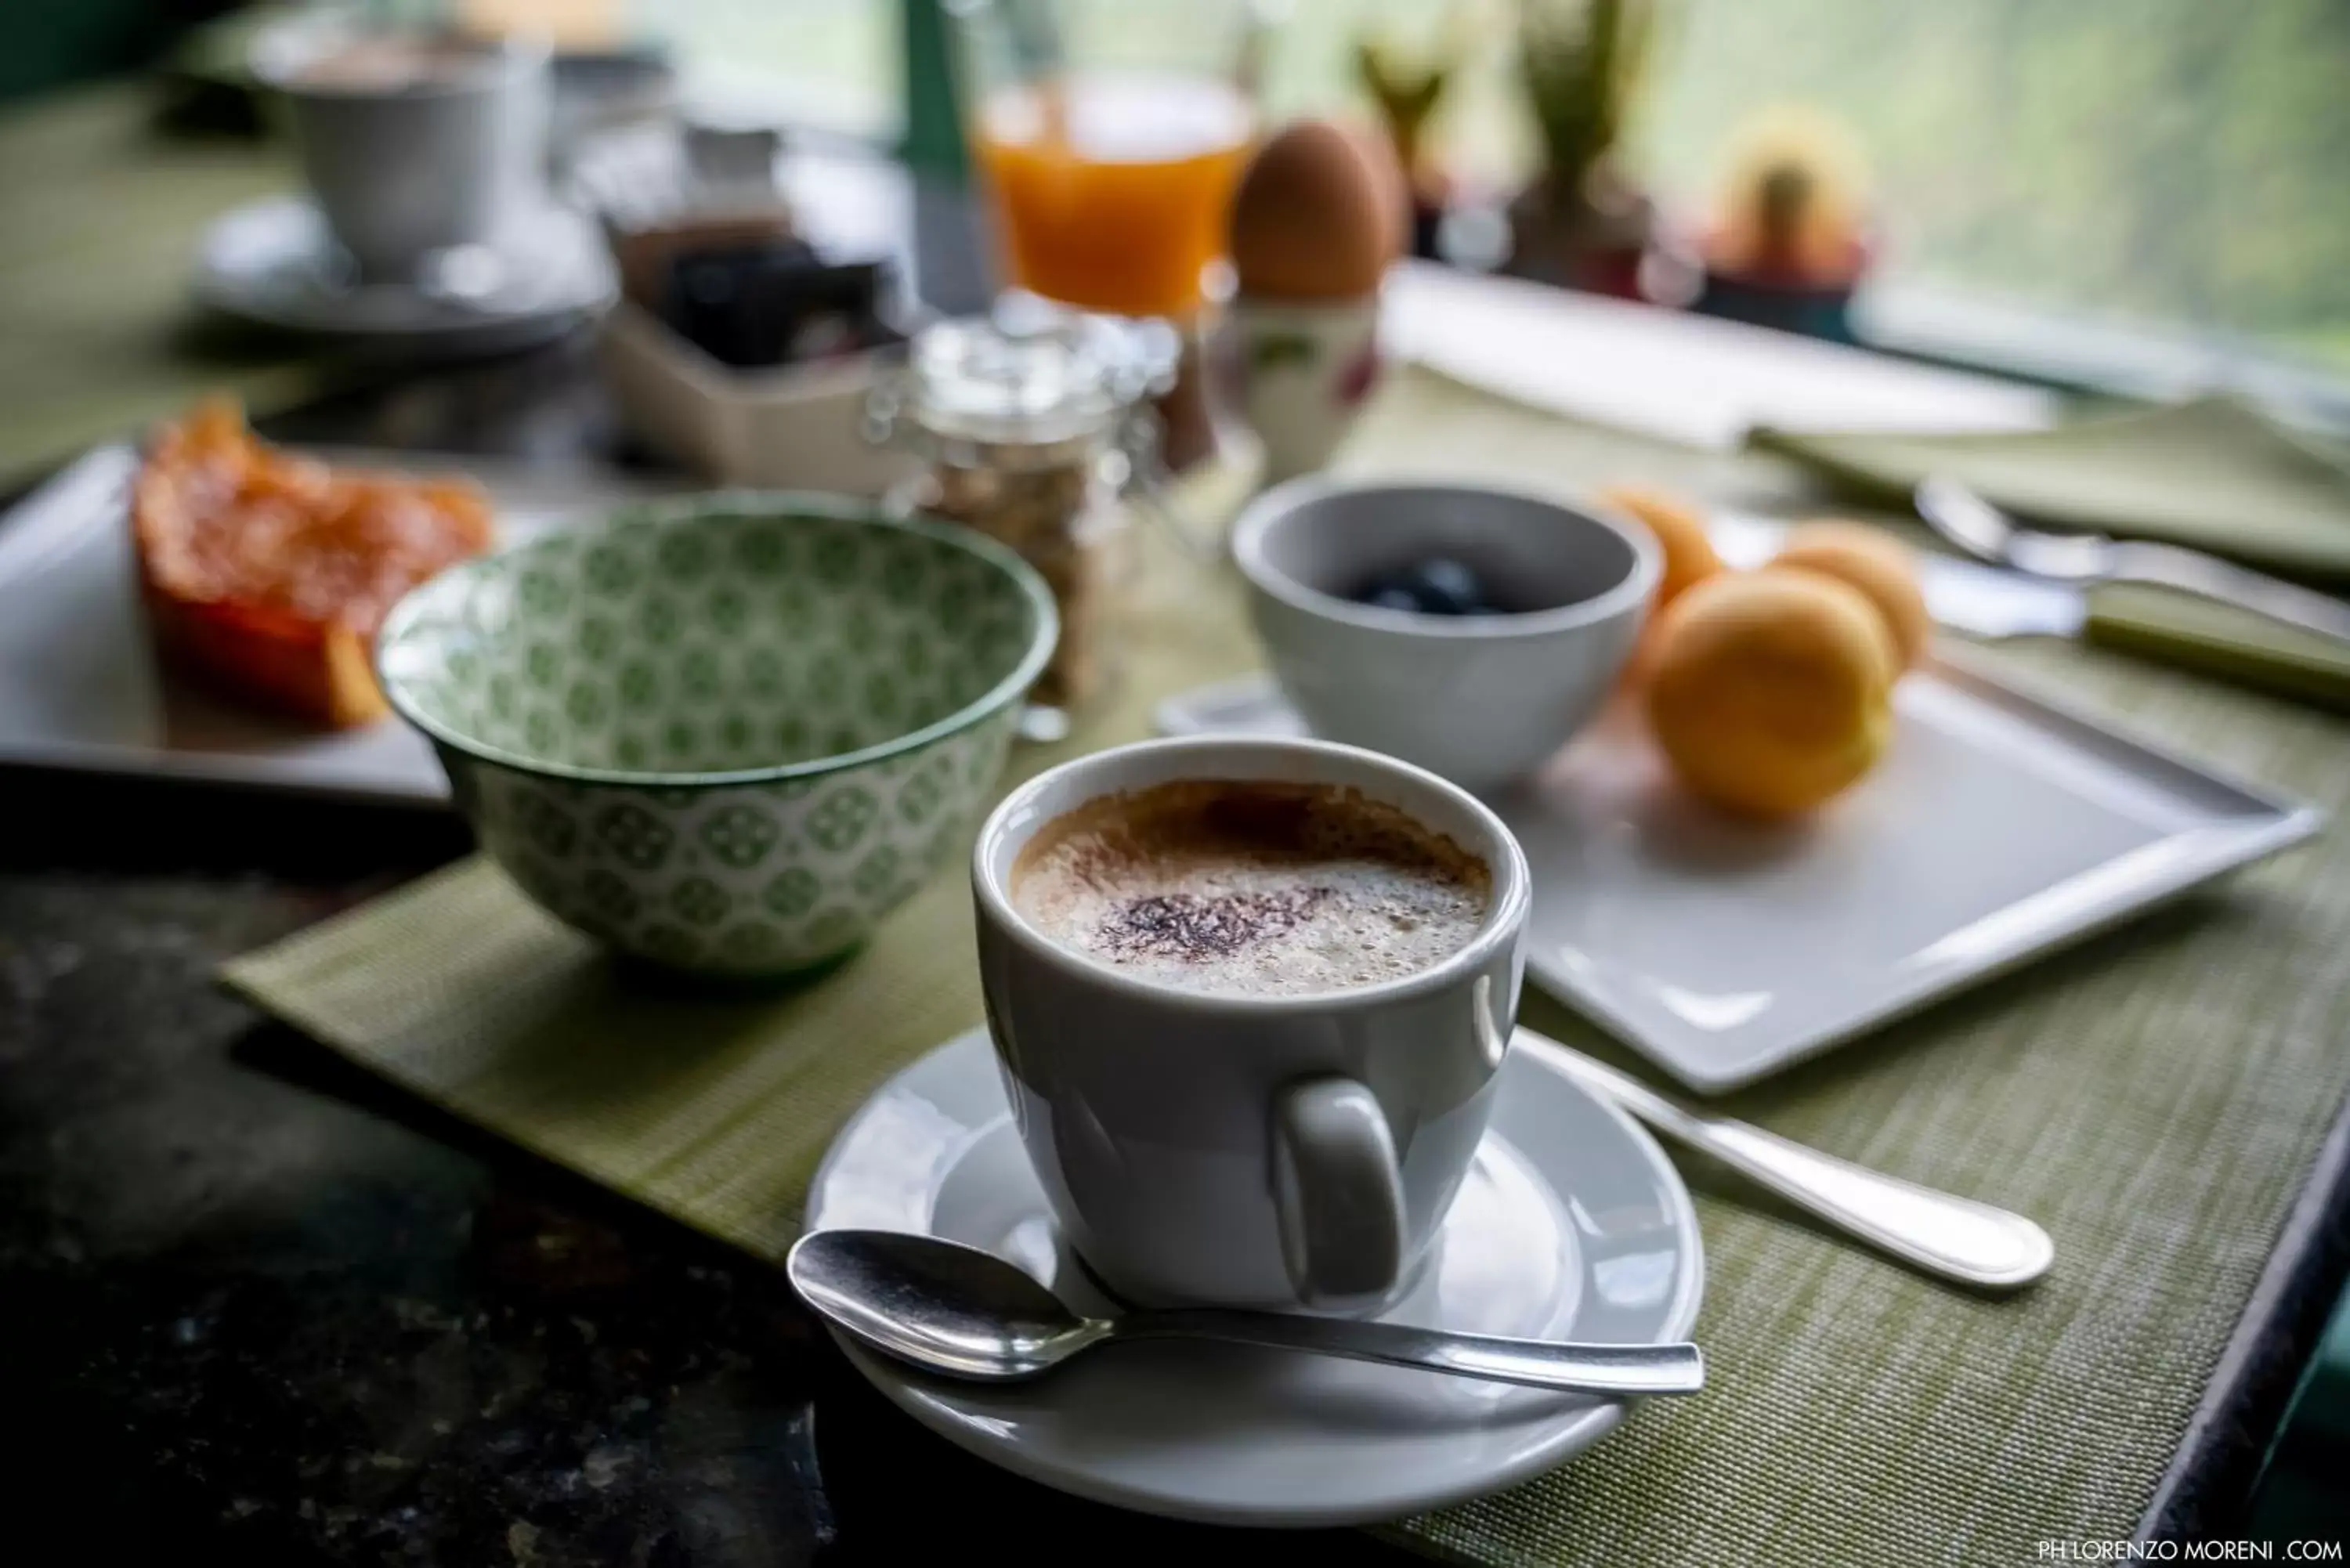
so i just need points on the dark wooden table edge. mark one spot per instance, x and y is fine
(2206, 1490)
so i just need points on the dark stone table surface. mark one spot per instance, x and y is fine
(255, 1305)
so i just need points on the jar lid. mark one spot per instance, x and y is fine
(1032, 372)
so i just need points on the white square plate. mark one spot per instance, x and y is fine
(1998, 828)
(79, 683)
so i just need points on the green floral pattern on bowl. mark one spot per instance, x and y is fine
(730, 734)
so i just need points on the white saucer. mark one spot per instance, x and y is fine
(273, 263)
(1571, 1224)
(2000, 826)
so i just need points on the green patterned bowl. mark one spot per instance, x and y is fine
(728, 734)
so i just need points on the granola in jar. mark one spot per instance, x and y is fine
(1033, 423)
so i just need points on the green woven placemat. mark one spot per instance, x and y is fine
(98, 336)
(2213, 473)
(2153, 1098)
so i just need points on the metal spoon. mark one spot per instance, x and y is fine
(968, 1313)
(1988, 533)
(1956, 1238)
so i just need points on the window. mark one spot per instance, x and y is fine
(828, 63)
(2176, 168)
(2173, 164)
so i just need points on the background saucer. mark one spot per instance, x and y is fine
(272, 262)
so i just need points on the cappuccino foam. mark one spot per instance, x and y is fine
(1255, 888)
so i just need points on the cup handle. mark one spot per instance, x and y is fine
(1337, 1192)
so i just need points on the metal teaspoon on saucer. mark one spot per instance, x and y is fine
(967, 1314)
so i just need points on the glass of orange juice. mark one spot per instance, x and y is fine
(1110, 134)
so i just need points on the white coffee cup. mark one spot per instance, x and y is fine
(1481, 699)
(1226, 1149)
(409, 164)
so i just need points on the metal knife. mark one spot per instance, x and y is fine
(1956, 1238)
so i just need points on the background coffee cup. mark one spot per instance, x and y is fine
(1248, 1150)
(1481, 699)
(408, 164)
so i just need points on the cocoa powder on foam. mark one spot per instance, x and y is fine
(1251, 886)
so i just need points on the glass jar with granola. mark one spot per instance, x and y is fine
(1035, 422)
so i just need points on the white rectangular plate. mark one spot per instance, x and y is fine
(2000, 826)
(79, 683)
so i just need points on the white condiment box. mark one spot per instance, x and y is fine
(797, 426)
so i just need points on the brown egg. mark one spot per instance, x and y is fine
(1393, 182)
(1319, 214)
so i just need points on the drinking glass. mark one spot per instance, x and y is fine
(1109, 134)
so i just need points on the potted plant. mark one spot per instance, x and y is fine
(1789, 241)
(1582, 222)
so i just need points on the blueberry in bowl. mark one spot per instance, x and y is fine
(1431, 585)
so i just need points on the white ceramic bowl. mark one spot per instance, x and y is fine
(1481, 699)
